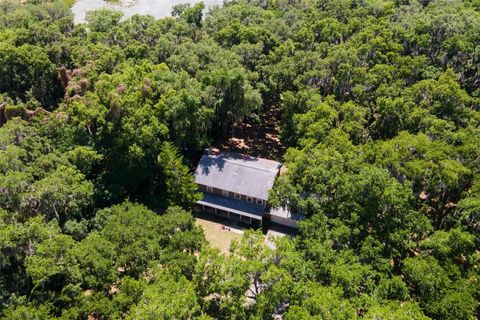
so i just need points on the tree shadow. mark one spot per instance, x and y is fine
(260, 139)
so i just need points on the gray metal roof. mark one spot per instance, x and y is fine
(238, 173)
(239, 207)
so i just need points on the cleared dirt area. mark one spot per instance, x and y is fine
(216, 235)
(256, 139)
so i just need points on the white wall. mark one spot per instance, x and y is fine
(284, 221)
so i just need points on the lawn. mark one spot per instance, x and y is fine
(218, 237)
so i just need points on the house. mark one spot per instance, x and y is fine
(236, 186)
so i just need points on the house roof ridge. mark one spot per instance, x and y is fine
(249, 166)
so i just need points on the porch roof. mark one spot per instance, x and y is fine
(231, 205)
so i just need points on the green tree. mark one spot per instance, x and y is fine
(27, 71)
(168, 297)
(317, 302)
(61, 195)
(393, 310)
(53, 264)
(103, 20)
(180, 185)
(426, 278)
(95, 256)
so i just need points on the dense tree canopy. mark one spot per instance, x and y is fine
(101, 124)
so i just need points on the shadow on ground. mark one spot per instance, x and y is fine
(256, 139)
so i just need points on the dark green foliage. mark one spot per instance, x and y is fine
(27, 72)
(167, 297)
(103, 20)
(180, 186)
(379, 104)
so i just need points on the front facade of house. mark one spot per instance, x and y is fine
(236, 187)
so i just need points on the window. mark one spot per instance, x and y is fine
(237, 196)
(209, 189)
(246, 219)
(222, 213)
(260, 202)
(249, 199)
(225, 193)
(234, 216)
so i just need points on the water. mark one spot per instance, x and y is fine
(155, 8)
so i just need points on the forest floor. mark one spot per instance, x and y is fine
(260, 139)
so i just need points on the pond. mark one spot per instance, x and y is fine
(155, 8)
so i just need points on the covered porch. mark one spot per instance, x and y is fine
(250, 214)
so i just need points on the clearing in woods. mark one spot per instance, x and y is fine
(260, 139)
(220, 237)
(216, 235)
